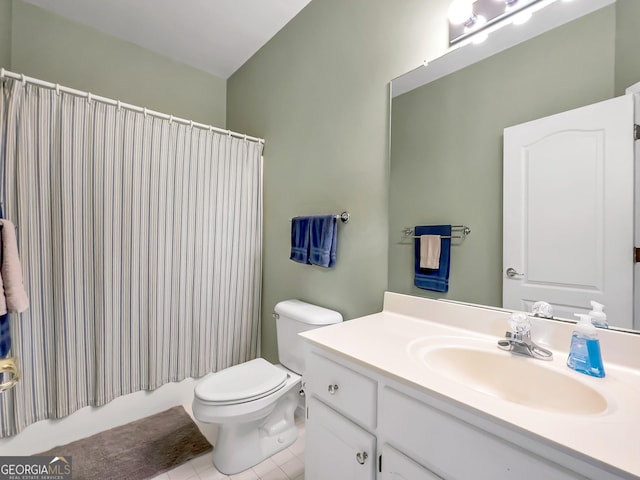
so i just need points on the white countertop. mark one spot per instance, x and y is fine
(383, 341)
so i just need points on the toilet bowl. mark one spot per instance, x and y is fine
(254, 402)
(254, 405)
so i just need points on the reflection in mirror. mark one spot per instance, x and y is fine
(446, 139)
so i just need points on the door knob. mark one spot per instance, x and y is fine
(512, 273)
(333, 389)
(361, 457)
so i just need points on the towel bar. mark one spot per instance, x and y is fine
(344, 217)
(408, 232)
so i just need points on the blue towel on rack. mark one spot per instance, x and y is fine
(300, 239)
(323, 233)
(433, 279)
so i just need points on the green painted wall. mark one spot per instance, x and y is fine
(5, 33)
(319, 93)
(446, 155)
(627, 58)
(58, 50)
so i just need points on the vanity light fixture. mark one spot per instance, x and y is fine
(519, 16)
(460, 12)
(509, 4)
(479, 22)
(471, 19)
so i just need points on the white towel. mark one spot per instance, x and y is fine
(430, 251)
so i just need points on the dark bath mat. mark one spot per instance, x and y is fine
(138, 450)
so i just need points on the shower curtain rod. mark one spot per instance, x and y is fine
(89, 96)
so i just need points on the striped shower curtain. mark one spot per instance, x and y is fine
(140, 241)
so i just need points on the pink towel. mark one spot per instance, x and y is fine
(3, 301)
(14, 294)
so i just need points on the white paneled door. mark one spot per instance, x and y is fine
(568, 221)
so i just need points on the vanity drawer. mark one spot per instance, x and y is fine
(454, 449)
(349, 392)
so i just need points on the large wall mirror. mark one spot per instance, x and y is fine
(447, 133)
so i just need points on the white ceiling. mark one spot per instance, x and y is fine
(216, 36)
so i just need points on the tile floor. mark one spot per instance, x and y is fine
(285, 465)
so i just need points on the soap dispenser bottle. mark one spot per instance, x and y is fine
(598, 317)
(584, 353)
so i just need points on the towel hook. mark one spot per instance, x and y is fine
(9, 365)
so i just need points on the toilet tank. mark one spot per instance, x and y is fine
(293, 317)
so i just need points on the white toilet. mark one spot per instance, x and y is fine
(254, 402)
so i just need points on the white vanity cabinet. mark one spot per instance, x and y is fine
(363, 425)
(340, 419)
(405, 387)
(337, 448)
(454, 449)
(397, 466)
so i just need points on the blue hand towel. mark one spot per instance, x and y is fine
(433, 279)
(5, 335)
(323, 233)
(5, 329)
(300, 239)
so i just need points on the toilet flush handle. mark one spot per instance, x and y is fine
(333, 389)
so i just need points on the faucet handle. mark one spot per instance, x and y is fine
(520, 323)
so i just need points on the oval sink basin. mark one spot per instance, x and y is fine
(514, 378)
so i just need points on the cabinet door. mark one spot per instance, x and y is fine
(336, 448)
(396, 466)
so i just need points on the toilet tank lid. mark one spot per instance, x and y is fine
(307, 313)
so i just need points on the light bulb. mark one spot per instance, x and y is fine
(460, 11)
(478, 21)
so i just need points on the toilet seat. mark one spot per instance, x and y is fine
(241, 383)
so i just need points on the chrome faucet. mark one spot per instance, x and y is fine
(519, 340)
